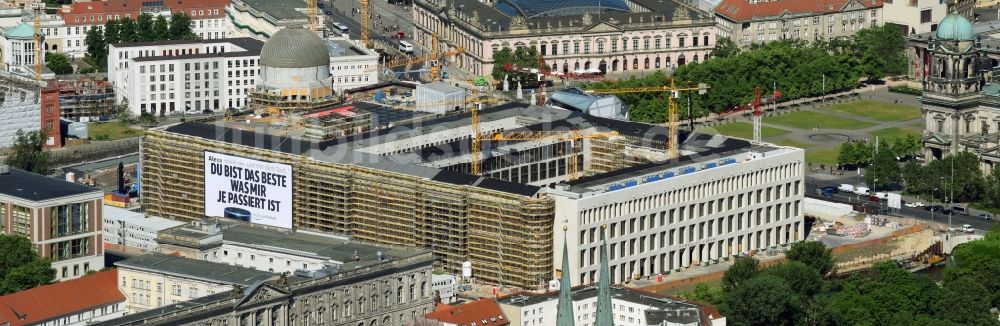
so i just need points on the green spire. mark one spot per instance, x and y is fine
(564, 310)
(605, 317)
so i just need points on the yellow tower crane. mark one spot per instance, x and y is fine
(313, 14)
(38, 9)
(672, 144)
(567, 135)
(365, 23)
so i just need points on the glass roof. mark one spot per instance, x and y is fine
(535, 8)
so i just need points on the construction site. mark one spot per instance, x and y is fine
(489, 199)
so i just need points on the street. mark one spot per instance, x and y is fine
(919, 212)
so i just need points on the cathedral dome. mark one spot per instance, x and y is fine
(955, 27)
(294, 47)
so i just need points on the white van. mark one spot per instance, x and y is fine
(862, 191)
(882, 195)
(846, 187)
(405, 47)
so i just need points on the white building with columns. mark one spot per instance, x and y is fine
(168, 77)
(609, 35)
(729, 197)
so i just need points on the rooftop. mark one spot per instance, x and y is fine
(744, 10)
(279, 9)
(657, 303)
(21, 31)
(342, 47)
(36, 187)
(37, 305)
(196, 269)
(104, 7)
(130, 217)
(474, 312)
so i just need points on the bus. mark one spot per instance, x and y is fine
(341, 28)
(405, 47)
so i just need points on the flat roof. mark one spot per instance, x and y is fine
(279, 9)
(342, 48)
(335, 249)
(198, 269)
(152, 222)
(251, 47)
(586, 292)
(36, 187)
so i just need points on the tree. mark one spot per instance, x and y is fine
(59, 63)
(20, 266)
(128, 31)
(161, 29)
(763, 300)
(814, 254)
(147, 119)
(744, 268)
(881, 51)
(112, 32)
(965, 301)
(705, 293)
(180, 26)
(144, 26)
(884, 171)
(501, 58)
(95, 44)
(724, 48)
(27, 152)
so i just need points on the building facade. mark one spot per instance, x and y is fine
(64, 220)
(127, 229)
(208, 19)
(83, 301)
(18, 46)
(915, 17)
(20, 107)
(748, 22)
(51, 109)
(83, 97)
(170, 77)
(389, 292)
(156, 280)
(613, 36)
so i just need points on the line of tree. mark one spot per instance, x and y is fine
(967, 184)
(803, 291)
(796, 67)
(143, 29)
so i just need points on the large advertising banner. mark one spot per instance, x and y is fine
(248, 190)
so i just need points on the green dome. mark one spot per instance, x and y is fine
(955, 27)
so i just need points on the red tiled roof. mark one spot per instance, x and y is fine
(54, 300)
(743, 10)
(100, 9)
(472, 312)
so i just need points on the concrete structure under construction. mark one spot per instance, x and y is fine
(411, 185)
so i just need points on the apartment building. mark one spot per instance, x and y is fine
(747, 22)
(62, 219)
(168, 77)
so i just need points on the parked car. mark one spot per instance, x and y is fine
(986, 216)
(873, 198)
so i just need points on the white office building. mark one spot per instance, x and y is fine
(629, 307)
(445, 286)
(170, 77)
(730, 197)
(352, 65)
(129, 229)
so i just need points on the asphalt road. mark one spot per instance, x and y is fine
(919, 213)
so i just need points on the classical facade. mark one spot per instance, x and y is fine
(366, 291)
(961, 104)
(612, 35)
(747, 22)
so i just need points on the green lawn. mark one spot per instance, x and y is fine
(793, 143)
(878, 110)
(823, 156)
(110, 130)
(745, 130)
(891, 134)
(809, 119)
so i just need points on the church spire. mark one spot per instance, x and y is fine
(564, 310)
(605, 317)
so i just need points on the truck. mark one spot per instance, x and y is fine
(846, 187)
(824, 191)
